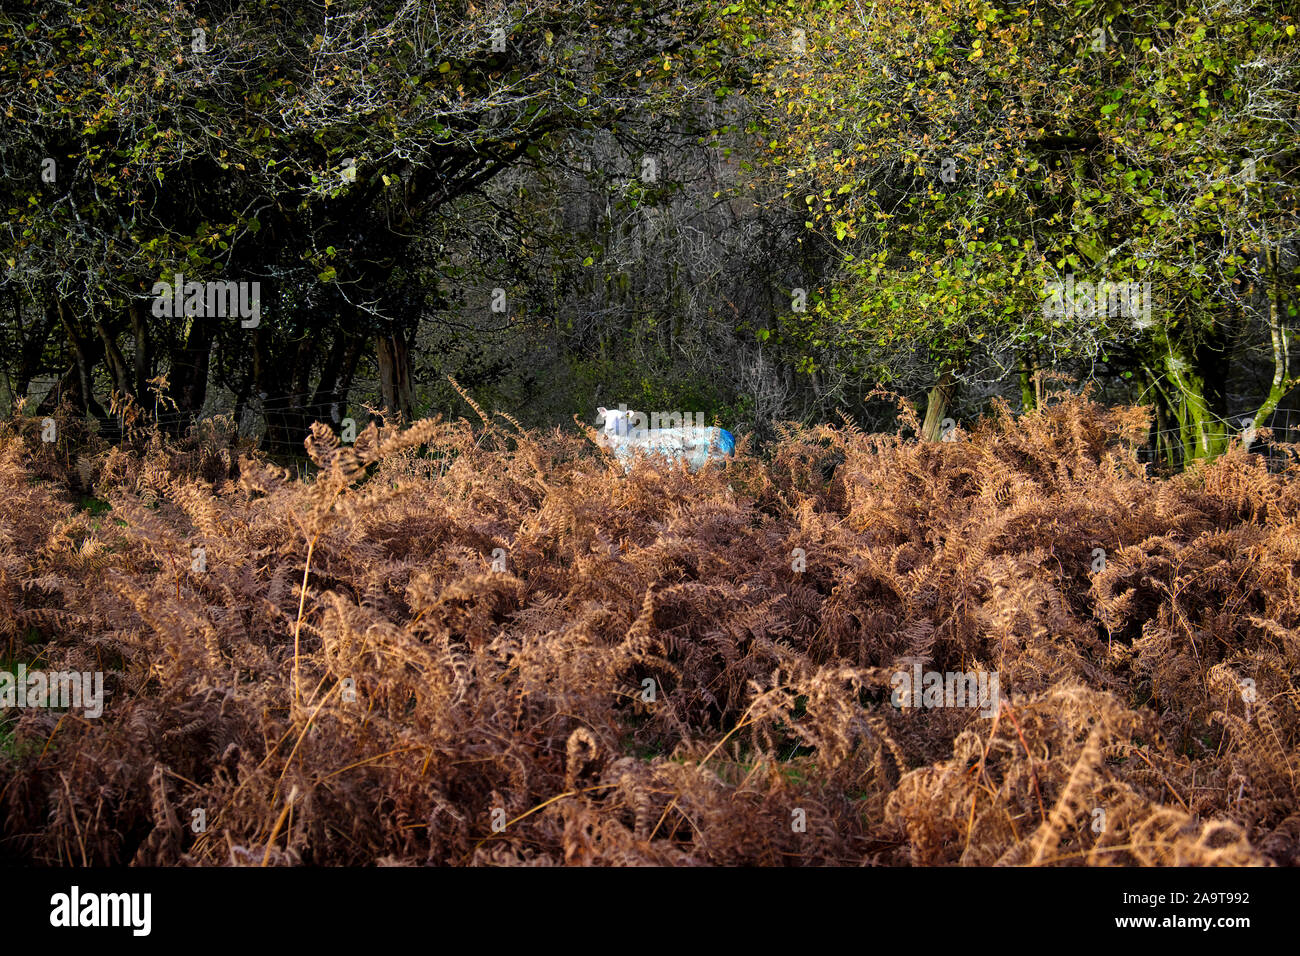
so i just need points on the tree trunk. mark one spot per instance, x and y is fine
(67, 386)
(936, 408)
(1028, 386)
(1280, 342)
(113, 357)
(84, 362)
(394, 357)
(336, 378)
(140, 329)
(295, 410)
(1193, 396)
(33, 344)
(189, 365)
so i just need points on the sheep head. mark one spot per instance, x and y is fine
(621, 422)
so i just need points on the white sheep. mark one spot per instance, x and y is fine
(627, 432)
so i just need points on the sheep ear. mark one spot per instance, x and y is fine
(602, 411)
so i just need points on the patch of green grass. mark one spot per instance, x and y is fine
(10, 746)
(8, 742)
(645, 751)
(9, 663)
(14, 748)
(96, 506)
(794, 775)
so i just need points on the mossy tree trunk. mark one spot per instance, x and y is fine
(1189, 380)
(1028, 384)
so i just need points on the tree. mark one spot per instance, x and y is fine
(959, 157)
(306, 150)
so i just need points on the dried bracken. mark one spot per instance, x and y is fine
(462, 644)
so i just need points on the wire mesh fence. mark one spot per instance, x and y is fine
(1268, 440)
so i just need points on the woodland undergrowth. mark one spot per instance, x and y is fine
(462, 643)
